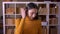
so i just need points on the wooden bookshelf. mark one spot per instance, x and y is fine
(47, 13)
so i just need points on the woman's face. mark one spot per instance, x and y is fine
(32, 13)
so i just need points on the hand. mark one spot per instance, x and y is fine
(23, 12)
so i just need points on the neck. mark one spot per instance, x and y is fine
(29, 18)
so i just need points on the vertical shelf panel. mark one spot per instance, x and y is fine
(47, 17)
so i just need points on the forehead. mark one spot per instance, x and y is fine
(32, 10)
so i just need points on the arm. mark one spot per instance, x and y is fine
(20, 23)
(19, 27)
(17, 22)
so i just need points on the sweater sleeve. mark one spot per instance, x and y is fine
(40, 28)
(19, 26)
(17, 22)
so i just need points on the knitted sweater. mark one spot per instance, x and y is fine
(27, 26)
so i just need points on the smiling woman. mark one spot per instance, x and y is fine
(29, 24)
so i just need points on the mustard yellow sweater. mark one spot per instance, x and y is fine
(27, 26)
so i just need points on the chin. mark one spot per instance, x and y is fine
(32, 17)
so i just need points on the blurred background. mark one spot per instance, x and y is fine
(49, 14)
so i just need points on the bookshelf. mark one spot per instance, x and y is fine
(47, 12)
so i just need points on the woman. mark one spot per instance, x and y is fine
(29, 24)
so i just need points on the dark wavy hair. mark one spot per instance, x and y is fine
(31, 6)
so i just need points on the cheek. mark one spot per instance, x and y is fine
(29, 14)
(33, 15)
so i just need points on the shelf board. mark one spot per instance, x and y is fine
(14, 25)
(52, 14)
(17, 14)
(41, 14)
(38, 14)
(53, 25)
(12, 14)
(10, 25)
(44, 25)
(9, 14)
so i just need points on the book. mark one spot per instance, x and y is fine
(53, 30)
(10, 21)
(44, 30)
(54, 10)
(53, 21)
(43, 11)
(9, 31)
(10, 10)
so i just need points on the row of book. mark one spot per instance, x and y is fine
(44, 30)
(42, 11)
(9, 31)
(54, 10)
(10, 10)
(53, 21)
(53, 30)
(9, 21)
